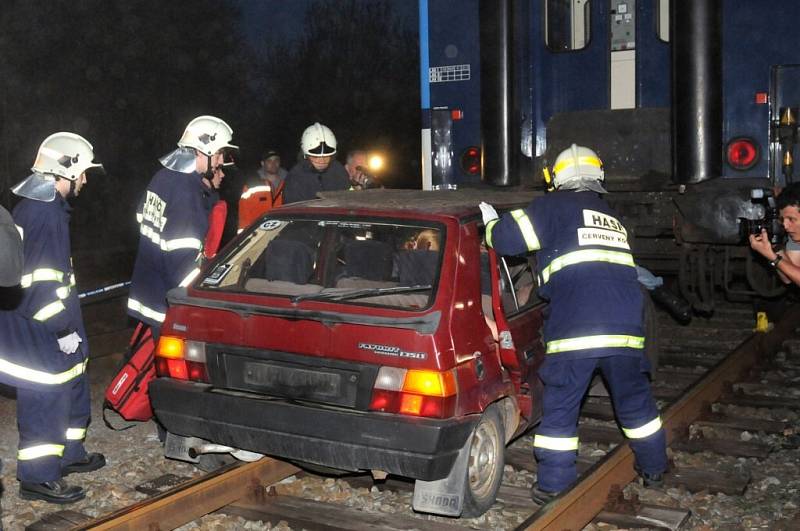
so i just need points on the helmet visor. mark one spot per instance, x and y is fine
(37, 186)
(182, 160)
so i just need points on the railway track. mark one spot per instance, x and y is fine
(716, 362)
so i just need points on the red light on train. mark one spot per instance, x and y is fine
(742, 153)
(471, 160)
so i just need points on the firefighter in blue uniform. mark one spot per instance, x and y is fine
(594, 321)
(173, 218)
(43, 347)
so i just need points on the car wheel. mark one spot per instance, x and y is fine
(486, 462)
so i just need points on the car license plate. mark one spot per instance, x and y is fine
(294, 382)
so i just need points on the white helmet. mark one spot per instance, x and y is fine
(66, 155)
(578, 168)
(318, 141)
(207, 134)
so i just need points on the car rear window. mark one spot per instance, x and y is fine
(343, 260)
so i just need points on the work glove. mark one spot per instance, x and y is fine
(69, 344)
(487, 212)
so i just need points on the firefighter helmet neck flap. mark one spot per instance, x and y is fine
(578, 168)
(205, 135)
(61, 156)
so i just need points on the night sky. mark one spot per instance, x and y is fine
(130, 75)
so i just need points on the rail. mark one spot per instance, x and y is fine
(575, 508)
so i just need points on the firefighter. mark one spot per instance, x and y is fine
(594, 319)
(43, 347)
(319, 170)
(265, 191)
(173, 217)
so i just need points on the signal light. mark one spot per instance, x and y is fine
(182, 360)
(431, 383)
(170, 347)
(422, 393)
(742, 153)
(471, 161)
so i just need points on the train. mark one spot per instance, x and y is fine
(692, 106)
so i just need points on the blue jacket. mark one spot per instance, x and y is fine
(48, 307)
(586, 271)
(173, 221)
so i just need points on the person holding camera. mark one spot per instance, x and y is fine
(786, 261)
(356, 166)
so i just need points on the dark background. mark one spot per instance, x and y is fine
(129, 76)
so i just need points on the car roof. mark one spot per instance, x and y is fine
(455, 203)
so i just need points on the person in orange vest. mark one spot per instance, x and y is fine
(264, 191)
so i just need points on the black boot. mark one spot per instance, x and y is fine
(51, 491)
(92, 462)
(676, 306)
(540, 496)
(650, 480)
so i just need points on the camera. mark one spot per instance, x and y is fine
(370, 181)
(770, 221)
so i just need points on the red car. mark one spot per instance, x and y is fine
(366, 331)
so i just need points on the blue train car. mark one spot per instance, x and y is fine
(691, 105)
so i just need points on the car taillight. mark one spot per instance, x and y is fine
(416, 392)
(471, 160)
(742, 153)
(181, 359)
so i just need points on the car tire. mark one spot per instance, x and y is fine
(486, 463)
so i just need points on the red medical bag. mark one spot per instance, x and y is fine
(127, 392)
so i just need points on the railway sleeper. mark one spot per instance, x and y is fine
(720, 421)
(765, 389)
(301, 513)
(760, 401)
(723, 447)
(631, 513)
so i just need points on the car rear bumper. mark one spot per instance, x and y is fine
(419, 448)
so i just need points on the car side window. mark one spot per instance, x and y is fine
(517, 283)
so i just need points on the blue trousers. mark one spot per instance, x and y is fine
(43, 418)
(565, 384)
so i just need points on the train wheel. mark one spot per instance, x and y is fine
(486, 462)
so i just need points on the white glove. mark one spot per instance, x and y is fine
(69, 344)
(488, 212)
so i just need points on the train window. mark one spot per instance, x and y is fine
(566, 24)
(662, 20)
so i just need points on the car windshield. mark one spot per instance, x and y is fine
(343, 260)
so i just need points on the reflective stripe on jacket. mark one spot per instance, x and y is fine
(586, 271)
(48, 305)
(173, 221)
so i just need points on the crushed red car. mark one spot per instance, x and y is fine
(365, 331)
